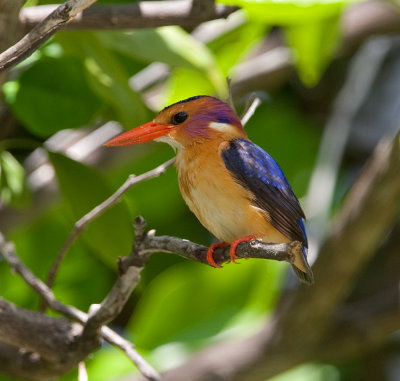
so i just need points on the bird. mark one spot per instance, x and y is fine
(235, 188)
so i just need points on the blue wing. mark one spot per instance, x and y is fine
(257, 171)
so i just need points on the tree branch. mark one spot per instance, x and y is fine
(10, 27)
(195, 252)
(50, 337)
(42, 32)
(144, 14)
(146, 243)
(48, 346)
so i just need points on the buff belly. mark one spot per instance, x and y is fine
(223, 207)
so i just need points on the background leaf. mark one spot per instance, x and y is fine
(314, 45)
(12, 177)
(109, 236)
(107, 77)
(170, 45)
(54, 94)
(311, 27)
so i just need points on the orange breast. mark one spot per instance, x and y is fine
(221, 204)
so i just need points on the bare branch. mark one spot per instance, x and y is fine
(42, 32)
(10, 27)
(52, 338)
(193, 251)
(20, 364)
(146, 244)
(143, 14)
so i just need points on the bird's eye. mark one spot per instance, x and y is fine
(179, 118)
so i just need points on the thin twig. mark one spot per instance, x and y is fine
(83, 222)
(251, 106)
(82, 372)
(230, 97)
(42, 32)
(8, 250)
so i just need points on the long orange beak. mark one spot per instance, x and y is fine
(141, 134)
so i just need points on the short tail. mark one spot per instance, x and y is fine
(304, 277)
(302, 268)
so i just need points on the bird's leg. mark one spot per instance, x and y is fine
(210, 252)
(235, 243)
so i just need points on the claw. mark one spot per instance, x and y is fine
(210, 252)
(235, 243)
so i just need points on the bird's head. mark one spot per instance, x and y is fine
(193, 120)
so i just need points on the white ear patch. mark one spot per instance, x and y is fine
(223, 127)
(172, 142)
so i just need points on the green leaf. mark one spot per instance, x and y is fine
(231, 47)
(184, 83)
(312, 28)
(107, 77)
(171, 45)
(12, 178)
(53, 94)
(310, 372)
(314, 45)
(289, 12)
(110, 236)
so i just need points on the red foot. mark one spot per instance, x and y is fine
(235, 243)
(210, 252)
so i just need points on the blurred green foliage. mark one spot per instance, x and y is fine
(311, 28)
(82, 78)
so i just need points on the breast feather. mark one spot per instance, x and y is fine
(221, 204)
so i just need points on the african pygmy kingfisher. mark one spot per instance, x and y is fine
(235, 188)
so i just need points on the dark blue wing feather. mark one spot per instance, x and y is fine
(257, 171)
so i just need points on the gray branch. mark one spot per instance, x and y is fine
(42, 32)
(146, 244)
(144, 14)
(47, 346)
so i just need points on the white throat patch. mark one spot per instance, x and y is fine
(223, 127)
(172, 142)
